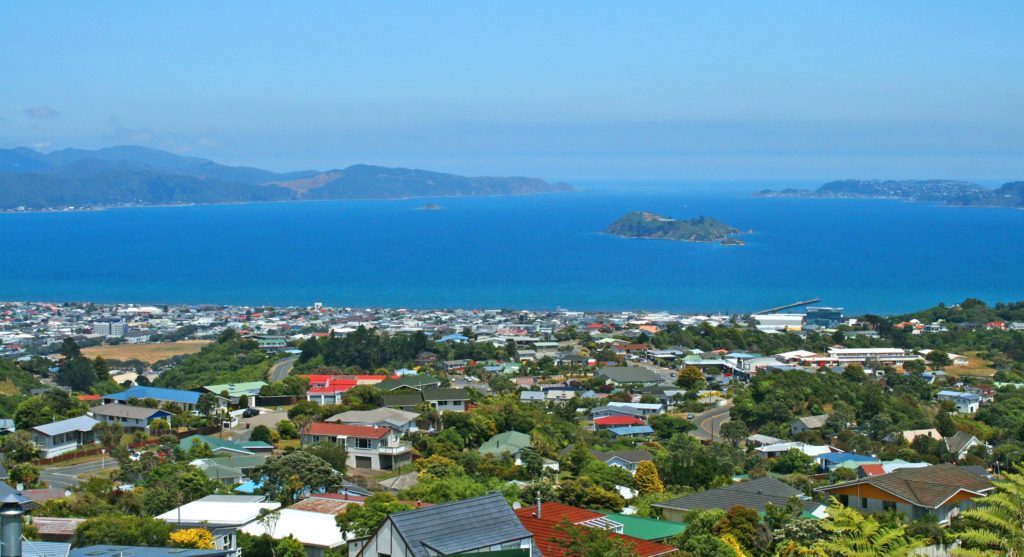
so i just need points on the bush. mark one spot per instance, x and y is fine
(261, 433)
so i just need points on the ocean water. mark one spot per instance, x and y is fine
(536, 252)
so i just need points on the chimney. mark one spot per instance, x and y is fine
(10, 525)
(538, 504)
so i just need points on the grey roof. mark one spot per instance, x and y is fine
(813, 422)
(403, 399)
(125, 411)
(447, 528)
(753, 494)
(957, 442)
(634, 456)
(134, 551)
(629, 374)
(390, 416)
(81, 423)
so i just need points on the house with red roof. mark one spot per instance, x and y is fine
(368, 447)
(546, 520)
(608, 422)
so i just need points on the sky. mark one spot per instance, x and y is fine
(562, 90)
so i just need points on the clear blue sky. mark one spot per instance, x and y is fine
(573, 90)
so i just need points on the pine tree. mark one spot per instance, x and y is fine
(646, 480)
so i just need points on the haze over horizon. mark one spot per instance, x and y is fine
(578, 91)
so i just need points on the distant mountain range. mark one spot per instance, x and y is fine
(950, 192)
(641, 224)
(131, 175)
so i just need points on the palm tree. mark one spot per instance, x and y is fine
(856, 535)
(996, 523)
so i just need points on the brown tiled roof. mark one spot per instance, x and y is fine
(325, 505)
(928, 487)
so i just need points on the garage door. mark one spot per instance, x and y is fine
(364, 462)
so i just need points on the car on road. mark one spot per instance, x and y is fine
(250, 412)
(689, 416)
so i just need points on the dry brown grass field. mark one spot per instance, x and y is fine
(148, 353)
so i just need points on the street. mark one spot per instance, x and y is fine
(709, 423)
(281, 369)
(67, 476)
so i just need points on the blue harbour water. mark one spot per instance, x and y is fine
(536, 252)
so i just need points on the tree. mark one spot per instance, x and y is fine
(206, 404)
(121, 530)
(855, 535)
(284, 477)
(287, 429)
(444, 490)
(70, 350)
(363, 520)
(993, 525)
(261, 433)
(199, 449)
(945, 424)
(581, 541)
(667, 425)
(168, 485)
(18, 446)
(192, 538)
(646, 479)
(686, 462)
(793, 461)
(25, 474)
(584, 492)
(690, 377)
(334, 453)
(78, 374)
(734, 431)
(577, 459)
(289, 547)
(109, 435)
(744, 526)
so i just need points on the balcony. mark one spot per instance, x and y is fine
(400, 448)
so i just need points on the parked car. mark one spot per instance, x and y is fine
(250, 412)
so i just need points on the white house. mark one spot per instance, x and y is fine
(368, 447)
(61, 437)
(127, 416)
(223, 515)
(966, 403)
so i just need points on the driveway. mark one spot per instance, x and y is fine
(68, 476)
(709, 423)
(269, 418)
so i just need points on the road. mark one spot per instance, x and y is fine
(67, 476)
(281, 369)
(709, 423)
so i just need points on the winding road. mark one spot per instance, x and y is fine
(281, 369)
(709, 423)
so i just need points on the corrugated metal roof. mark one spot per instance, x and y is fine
(81, 423)
(447, 528)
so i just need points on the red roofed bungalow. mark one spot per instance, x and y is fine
(616, 421)
(867, 470)
(546, 534)
(89, 398)
(332, 431)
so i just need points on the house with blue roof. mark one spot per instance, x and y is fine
(632, 431)
(186, 400)
(829, 461)
(453, 338)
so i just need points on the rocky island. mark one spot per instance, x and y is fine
(640, 224)
(429, 207)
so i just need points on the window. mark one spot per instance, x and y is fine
(888, 506)
(845, 500)
(864, 503)
(362, 443)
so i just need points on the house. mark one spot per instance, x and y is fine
(960, 443)
(513, 443)
(622, 411)
(608, 422)
(941, 491)
(629, 375)
(623, 459)
(186, 400)
(443, 400)
(230, 470)
(235, 391)
(138, 551)
(447, 529)
(131, 418)
(966, 403)
(631, 431)
(368, 447)
(417, 382)
(64, 436)
(531, 396)
(316, 531)
(270, 343)
(642, 409)
(778, 449)
(909, 435)
(223, 515)
(56, 529)
(398, 420)
(807, 423)
(226, 447)
(752, 494)
(543, 522)
(830, 461)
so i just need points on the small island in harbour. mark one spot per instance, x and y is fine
(641, 224)
(429, 207)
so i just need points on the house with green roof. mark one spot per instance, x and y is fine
(225, 447)
(230, 470)
(650, 529)
(513, 443)
(235, 391)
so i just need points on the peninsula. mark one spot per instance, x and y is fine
(950, 192)
(640, 224)
(132, 175)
